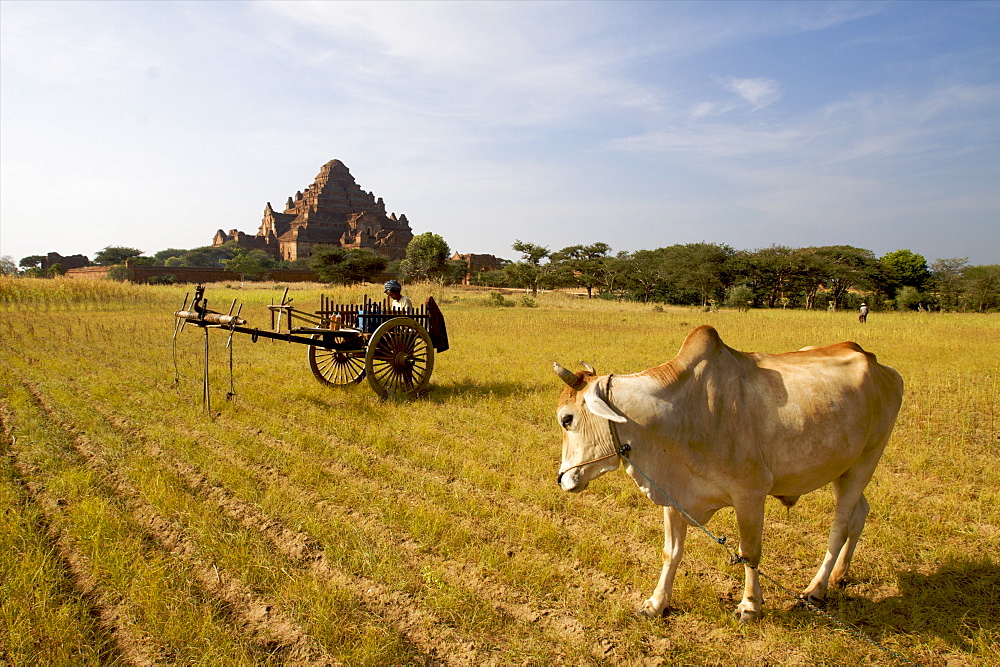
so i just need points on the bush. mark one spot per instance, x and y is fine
(119, 272)
(341, 266)
(499, 301)
(908, 298)
(166, 279)
(528, 302)
(739, 297)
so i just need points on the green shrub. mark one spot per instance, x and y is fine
(119, 272)
(498, 300)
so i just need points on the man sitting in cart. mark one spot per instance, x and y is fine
(396, 299)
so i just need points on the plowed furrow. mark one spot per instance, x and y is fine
(505, 600)
(256, 616)
(123, 645)
(556, 622)
(430, 635)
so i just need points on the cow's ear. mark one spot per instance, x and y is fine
(595, 403)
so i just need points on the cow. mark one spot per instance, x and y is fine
(715, 427)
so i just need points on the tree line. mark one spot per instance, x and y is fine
(700, 274)
(711, 274)
(427, 258)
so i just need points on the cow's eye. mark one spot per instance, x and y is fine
(566, 420)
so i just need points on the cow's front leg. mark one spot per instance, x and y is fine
(674, 532)
(750, 519)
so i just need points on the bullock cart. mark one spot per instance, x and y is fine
(345, 343)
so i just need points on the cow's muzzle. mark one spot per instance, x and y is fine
(569, 480)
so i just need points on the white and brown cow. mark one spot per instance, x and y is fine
(716, 428)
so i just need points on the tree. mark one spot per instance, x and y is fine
(614, 274)
(585, 265)
(455, 271)
(7, 266)
(769, 272)
(363, 265)
(111, 255)
(946, 281)
(902, 268)
(341, 266)
(529, 273)
(531, 252)
(811, 274)
(31, 261)
(426, 258)
(844, 267)
(697, 268)
(645, 271)
(209, 256)
(248, 265)
(56, 270)
(982, 287)
(163, 255)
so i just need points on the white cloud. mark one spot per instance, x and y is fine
(509, 65)
(759, 92)
(711, 141)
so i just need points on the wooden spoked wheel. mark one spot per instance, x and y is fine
(400, 358)
(336, 367)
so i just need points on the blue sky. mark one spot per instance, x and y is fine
(153, 124)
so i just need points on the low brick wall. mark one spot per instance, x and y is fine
(197, 274)
(89, 272)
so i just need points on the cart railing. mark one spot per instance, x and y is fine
(368, 315)
(364, 317)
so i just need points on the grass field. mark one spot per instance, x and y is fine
(304, 524)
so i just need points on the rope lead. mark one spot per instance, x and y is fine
(737, 559)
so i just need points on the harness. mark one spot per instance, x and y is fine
(618, 449)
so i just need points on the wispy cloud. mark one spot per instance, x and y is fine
(511, 113)
(758, 92)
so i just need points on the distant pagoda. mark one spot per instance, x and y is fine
(335, 211)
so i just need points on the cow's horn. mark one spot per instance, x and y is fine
(587, 367)
(567, 376)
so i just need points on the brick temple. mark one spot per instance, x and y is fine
(335, 211)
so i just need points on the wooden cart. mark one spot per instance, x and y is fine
(393, 349)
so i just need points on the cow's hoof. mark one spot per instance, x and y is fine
(747, 615)
(811, 599)
(648, 610)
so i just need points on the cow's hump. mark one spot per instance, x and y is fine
(701, 342)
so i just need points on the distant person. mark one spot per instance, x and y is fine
(396, 299)
(863, 313)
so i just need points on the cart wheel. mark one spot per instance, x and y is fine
(399, 359)
(336, 367)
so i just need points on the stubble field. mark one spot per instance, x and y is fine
(309, 525)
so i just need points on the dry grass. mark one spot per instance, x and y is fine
(304, 524)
